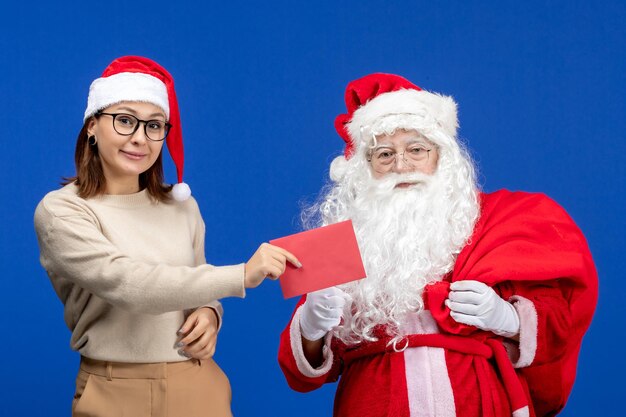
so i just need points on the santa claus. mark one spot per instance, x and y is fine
(474, 304)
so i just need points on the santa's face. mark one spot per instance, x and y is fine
(402, 152)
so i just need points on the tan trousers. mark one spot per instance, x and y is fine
(176, 389)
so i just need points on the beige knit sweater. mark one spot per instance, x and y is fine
(126, 269)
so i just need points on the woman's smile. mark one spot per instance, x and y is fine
(135, 156)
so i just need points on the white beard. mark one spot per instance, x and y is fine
(408, 238)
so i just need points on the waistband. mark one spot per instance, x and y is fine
(491, 348)
(457, 343)
(124, 370)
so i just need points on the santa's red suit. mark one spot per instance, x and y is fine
(530, 251)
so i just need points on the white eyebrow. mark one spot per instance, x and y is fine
(409, 142)
(383, 145)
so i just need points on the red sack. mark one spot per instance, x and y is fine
(523, 237)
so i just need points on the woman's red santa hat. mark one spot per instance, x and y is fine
(386, 100)
(135, 78)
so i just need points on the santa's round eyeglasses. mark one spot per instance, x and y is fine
(383, 158)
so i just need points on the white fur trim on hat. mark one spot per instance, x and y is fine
(181, 191)
(126, 86)
(338, 168)
(406, 109)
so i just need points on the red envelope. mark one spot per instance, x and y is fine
(329, 256)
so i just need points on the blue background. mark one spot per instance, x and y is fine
(540, 87)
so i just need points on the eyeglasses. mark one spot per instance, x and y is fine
(127, 124)
(383, 159)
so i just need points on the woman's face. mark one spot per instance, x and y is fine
(125, 157)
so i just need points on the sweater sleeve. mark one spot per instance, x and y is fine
(200, 257)
(72, 248)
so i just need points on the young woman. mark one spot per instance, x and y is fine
(125, 254)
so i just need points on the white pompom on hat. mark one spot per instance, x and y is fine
(379, 96)
(135, 78)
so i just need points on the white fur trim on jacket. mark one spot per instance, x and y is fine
(298, 353)
(523, 354)
(411, 109)
(126, 86)
(521, 412)
(427, 379)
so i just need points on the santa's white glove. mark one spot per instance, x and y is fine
(321, 311)
(477, 304)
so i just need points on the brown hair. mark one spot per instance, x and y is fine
(90, 177)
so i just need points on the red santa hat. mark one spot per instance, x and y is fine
(135, 78)
(394, 102)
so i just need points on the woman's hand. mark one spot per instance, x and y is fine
(268, 261)
(199, 334)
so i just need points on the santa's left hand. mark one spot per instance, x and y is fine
(198, 335)
(476, 304)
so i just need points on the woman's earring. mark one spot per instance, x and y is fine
(92, 140)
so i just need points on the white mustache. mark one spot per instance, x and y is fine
(391, 180)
